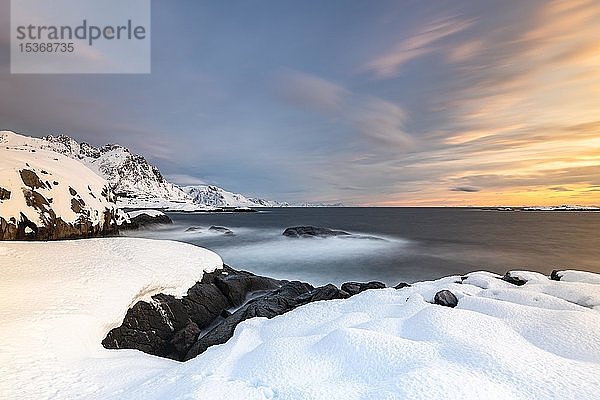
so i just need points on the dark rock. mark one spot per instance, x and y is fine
(167, 326)
(353, 288)
(72, 191)
(142, 220)
(327, 292)
(221, 229)
(185, 338)
(31, 179)
(513, 279)
(312, 231)
(236, 286)
(445, 298)
(4, 194)
(276, 303)
(555, 275)
(193, 229)
(204, 303)
(401, 285)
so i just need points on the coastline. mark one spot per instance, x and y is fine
(52, 348)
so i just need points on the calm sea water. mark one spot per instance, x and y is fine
(394, 244)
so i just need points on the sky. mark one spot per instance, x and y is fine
(383, 103)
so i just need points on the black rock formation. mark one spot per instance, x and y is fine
(401, 285)
(445, 298)
(142, 220)
(513, 279)
(555, 275)
(181, 329)
(353, 288)
(312, 231)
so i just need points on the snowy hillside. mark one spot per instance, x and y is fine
(216, 197)
(136, 182)
(535, 341)
(44, 195)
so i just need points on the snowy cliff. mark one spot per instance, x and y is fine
(45, 195)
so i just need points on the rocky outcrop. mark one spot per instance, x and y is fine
(46, 196)
(312, 231)
(508, 277)
(353, 288)
(555, 275)
(181, 329)
(141, 220)
(445, 298)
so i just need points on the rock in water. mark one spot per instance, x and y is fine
(312, 231)
(445, 298)
(221, 229)
(555, 275)
(353, 288)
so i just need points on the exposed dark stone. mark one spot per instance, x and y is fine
(312, 231)
(142, 220)
(445, 298)
(235, 285)
(270, 305)
(555, 275)
(193, 229)
(167, 326)
(401, 285)
(31, 179)
(513, 279)
(72, 191)
(77, 205)
(327, 292)
(205, 302)
(353, 288)
(221, 229)
(185, 338)
(4, 194)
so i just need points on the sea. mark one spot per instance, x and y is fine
(392, 245)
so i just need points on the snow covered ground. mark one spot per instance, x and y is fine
(540, 340)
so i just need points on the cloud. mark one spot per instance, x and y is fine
(559, 189)
(184, 179)
(467, 189)
(378, 121)
(419, 44)
(310, 91)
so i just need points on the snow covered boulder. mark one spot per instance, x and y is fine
(46, 196)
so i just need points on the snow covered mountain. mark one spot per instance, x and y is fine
(136, 182)
(139, 184)
(214, 196)
(45, 195)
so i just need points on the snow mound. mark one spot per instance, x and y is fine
(47, 189)
(59, 299)
(536, 341)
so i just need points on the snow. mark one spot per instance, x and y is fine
(536, 341)
(59, 299)
(57, 172)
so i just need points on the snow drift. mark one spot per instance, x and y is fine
(539, 340)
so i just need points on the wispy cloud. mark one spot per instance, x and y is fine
(422, 42)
